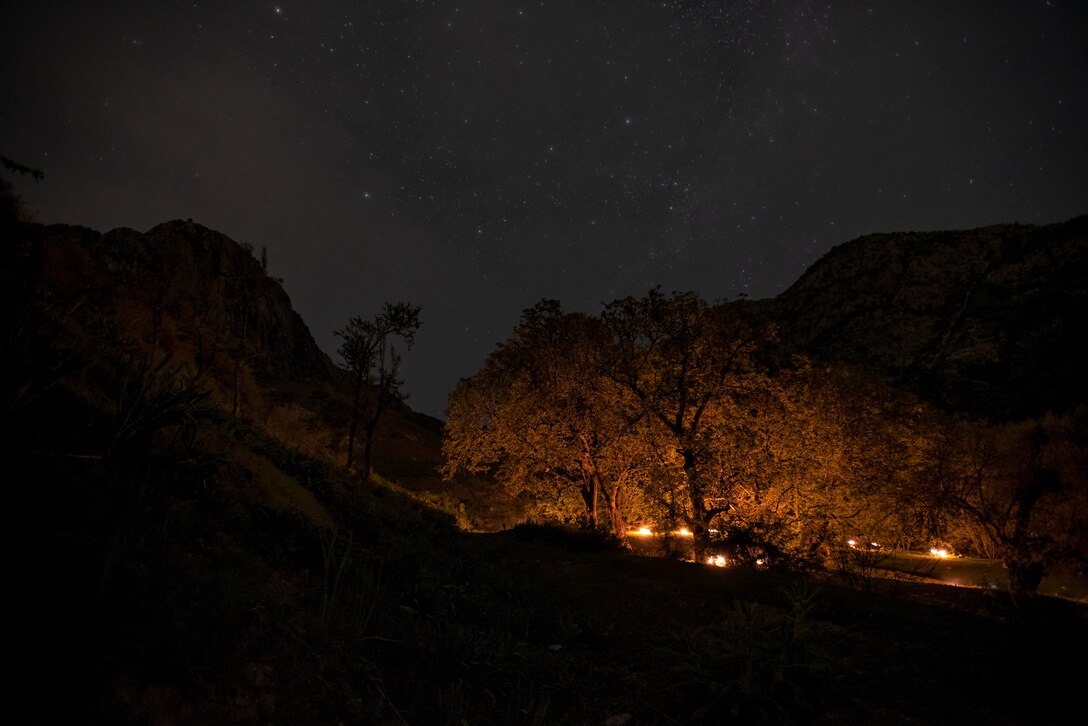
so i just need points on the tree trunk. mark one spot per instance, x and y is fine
(615, 513)
(589, 473)
(1025, 575)
(587, 503)
(354, 419)
(1026, 568)
(590, 493)
(368, 446)
(596, 485)
(699, 519)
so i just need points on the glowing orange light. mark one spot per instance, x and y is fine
(684, 532)
(643, 532)
(938, 552)
(717, 560)
(852, 542)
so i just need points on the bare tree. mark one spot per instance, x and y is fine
(369, 353)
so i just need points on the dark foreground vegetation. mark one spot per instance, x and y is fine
(187, 594)
(183, 546)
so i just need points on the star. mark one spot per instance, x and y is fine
(460, 127)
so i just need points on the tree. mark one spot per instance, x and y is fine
(370, 355)
(819, 455)
(687, 365)
(1017, 492)
(16, 167)
(541, 414)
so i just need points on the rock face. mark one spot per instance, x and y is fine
(184, 289)
(991, 322)
(205, 306)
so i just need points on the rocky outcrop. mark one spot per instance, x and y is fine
(184, 289)
(205, 307)
(990, 321)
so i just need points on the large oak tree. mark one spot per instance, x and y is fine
(541, 415)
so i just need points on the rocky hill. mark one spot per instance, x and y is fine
(990, 321)
(206, 309)
(185, 289)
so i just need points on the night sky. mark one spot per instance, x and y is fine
(475, 157)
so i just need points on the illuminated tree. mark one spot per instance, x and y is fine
(1017, 492)
(369, 353)
(688, 366)
(541, 416)
(681, 412)
(832, 454)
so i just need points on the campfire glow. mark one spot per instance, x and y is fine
(938, 552)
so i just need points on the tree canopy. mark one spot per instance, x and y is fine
(670, 412)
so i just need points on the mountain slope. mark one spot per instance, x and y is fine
(187, 294)
(205, 307)
(987, 321)
(184, 289)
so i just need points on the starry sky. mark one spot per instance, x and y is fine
(474, 157)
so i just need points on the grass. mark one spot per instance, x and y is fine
(231, 578)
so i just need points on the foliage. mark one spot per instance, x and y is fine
(150, 398)
(690, 369)
(542, 414)
(1015, 492)
(682, 414)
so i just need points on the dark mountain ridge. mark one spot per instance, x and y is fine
(988, 321)
(193, 282)
(210, 309)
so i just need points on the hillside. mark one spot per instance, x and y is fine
(179, 287)
(208, 310)
(183, 547)
(987, 321)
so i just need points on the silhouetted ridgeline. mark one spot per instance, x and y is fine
(184, 288)
(208, 307)
(988, 321)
